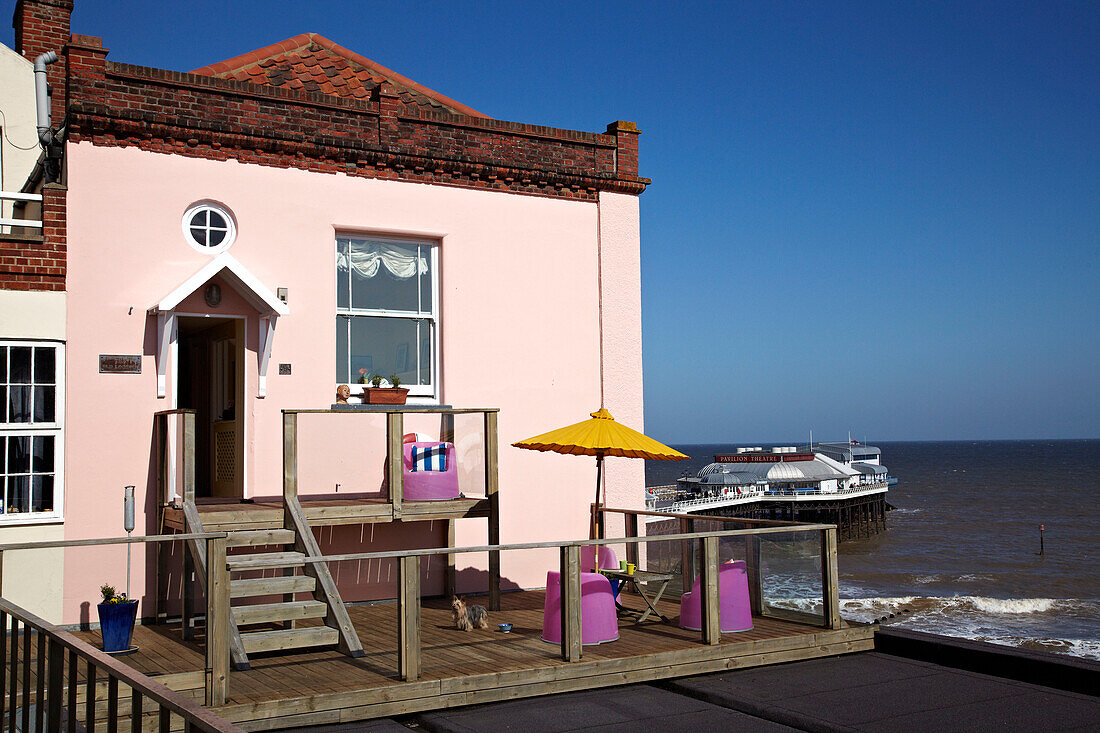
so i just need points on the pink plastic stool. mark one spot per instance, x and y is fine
(608, 560)
(734, 609)
(598, 620)
(430, 485)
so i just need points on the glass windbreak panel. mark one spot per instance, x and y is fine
(18, 494)
(388, 346)
(385, 275)
(342, 350)
(44, 365)
(343, 284)
(19, 404)
(42, 493)
(20, 372)
(790, 573)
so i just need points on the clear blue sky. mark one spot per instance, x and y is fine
(877, 217)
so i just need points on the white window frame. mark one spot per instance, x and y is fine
(422, 394)
(31, 429)
(224, 212)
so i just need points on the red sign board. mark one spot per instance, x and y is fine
(762, 457)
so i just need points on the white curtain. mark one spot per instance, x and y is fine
(367, 257)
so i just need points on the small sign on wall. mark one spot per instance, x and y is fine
(120, 364)
(284, 369)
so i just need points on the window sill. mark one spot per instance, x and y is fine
(22, 520)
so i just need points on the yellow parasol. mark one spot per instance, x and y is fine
(601, 436)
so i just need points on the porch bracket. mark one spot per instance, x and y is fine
(166, 336)
(267, 335)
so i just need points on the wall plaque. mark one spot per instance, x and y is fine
(284, 369)
(120, 363)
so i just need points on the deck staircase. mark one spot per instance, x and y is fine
(272, 626)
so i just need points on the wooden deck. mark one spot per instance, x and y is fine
(226, 515)
(461, 668)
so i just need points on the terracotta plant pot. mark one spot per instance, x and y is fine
(385, 395)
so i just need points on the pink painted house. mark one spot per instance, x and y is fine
(242, 239)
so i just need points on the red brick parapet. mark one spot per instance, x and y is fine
(201, 116)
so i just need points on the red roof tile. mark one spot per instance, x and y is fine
(315, 63)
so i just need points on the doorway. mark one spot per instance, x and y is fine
(211, 382)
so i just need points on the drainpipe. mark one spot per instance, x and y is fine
(42, 95)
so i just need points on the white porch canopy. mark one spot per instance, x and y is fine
(259, 296)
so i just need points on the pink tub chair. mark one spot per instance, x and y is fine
(424, 481)
(608, 560)
(734, 610)
(598, 620)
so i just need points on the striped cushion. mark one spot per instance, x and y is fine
(432, 458)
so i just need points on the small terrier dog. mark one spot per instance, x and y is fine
(466, 617)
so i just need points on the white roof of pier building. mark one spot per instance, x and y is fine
(820, 469)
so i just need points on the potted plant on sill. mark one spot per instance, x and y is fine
(117, 615)
(376, 394)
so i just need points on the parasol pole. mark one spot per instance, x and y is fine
(600, 477)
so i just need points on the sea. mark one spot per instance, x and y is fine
(962, 553)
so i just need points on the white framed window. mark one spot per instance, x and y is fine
(387, 295)
(31, 431)
(209, 227)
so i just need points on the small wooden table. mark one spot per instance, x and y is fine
(639, 580)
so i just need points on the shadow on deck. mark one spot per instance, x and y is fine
(461, 668)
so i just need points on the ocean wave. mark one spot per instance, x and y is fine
(1041, 624)
(1013, 605)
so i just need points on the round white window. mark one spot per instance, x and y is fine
(209, 228)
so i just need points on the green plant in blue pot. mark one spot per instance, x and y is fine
(117, 615)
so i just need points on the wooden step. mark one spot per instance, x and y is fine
(268, 612)
(271, 641)
(266, 560)
(246, 587)
(253, 537)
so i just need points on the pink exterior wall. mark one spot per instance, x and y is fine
(518, 322)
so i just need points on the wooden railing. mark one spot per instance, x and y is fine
(49, 674)
(395, 475)
(408, 593)
(690, 557)
(216, 667)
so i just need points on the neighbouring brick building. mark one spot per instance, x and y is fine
(383, 227)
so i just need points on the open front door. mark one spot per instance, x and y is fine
(211, 382)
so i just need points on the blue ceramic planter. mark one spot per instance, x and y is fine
(116, 622)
